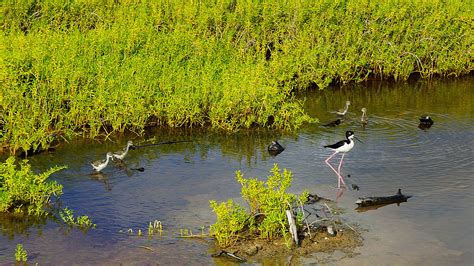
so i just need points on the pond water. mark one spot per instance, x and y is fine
(436, 166)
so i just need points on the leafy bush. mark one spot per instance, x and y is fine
(22, 191)
(268, 202)
(231, 220)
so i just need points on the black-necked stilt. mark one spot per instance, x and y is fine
(344, 111)
(333, 123)
(101, 164)
(275, 148)
(341, 146)
(425, 119)
(121, 154)
(363, 119)
(425, 122)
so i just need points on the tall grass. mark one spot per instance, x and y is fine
(93, 67)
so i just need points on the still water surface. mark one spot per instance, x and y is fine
(436, 166)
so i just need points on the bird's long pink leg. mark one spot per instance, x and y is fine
(339, 169)
(338, 175)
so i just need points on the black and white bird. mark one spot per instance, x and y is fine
(426, 119)
(275, 148)
(342, 146)
(425, 122)
(121, 154)
(343, 112)
(99, 165)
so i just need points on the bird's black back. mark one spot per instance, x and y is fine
(337, 144)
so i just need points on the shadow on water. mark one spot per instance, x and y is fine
(434, 164)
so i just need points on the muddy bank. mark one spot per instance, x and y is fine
(314, 237)
(346, 240)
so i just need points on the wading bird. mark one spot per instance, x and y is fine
(101, 164)
(343, 112)
(363, 119)
(121, 154)
(341, 146)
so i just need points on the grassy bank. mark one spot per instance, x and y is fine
(94, 67)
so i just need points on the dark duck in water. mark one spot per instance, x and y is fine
(275, 148)
(425, 122)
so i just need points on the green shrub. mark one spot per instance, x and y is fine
(268, 202)
(231, 220)
(23, 191)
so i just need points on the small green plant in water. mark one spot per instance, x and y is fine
(157, 226)
(83, 222)
(20, 253)
(22, 191)
(268, 202)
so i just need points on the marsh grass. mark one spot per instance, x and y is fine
(97, 67)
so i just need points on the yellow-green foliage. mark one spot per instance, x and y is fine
(231, 220)
(22, 190)
(20, 253)
(83, 221)
(89, 66)
(271, 200)
(268, 201)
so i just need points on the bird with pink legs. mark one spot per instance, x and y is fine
(343, 147)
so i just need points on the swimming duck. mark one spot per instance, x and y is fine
(333, 123)
(275, 148)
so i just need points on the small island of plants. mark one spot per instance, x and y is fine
(264, 229)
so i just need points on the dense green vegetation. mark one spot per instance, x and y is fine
(97, 67)
(22, 191)
(267, 201)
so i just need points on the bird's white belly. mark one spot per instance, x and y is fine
(346, 147)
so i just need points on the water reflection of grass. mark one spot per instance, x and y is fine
(96, 69)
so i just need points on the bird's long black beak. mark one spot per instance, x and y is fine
(358, 139)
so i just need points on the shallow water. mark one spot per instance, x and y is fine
(434, 227)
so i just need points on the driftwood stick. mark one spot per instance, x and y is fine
(228, 254)
(329, 209)
(352, 228)
(372, 201)
(291, 222)
(307, 225)
(161, 143)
